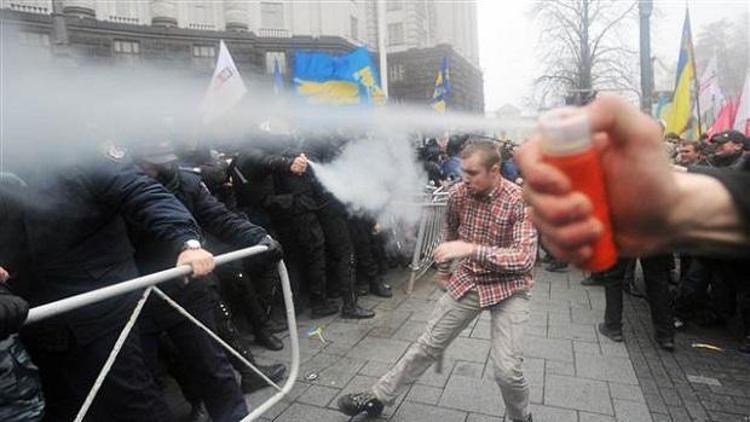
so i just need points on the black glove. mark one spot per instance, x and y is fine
(275, 251)
(13, 312)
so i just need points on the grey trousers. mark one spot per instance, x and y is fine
(450, 317)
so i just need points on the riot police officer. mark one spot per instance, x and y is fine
(75, 224)
(210, 370)
(20, 389)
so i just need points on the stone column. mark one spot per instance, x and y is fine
(80, 8)
(237, 15)
(163, 13)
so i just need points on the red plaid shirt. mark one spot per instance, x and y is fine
(499, 222)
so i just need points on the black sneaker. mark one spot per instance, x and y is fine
(357, 403)
(614, 335)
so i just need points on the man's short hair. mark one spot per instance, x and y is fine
(488, 151)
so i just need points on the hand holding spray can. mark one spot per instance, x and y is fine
(566, 144)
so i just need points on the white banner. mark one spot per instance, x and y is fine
(226, 88)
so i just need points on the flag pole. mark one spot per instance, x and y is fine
(695, 75)
(382, 28)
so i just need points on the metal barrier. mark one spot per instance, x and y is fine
(429, 234)
(149, 282)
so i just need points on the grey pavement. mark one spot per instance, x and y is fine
(575, 374)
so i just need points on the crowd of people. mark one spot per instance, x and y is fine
(127, 211)
(683, 212)
(117, 213)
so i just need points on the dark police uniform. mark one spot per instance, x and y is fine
(209, 372)
(20, 389)
(78, 242)
(289, 201)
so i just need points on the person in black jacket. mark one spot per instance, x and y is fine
(284, 191)
(210, 371)
(75, 223)
(20, 389)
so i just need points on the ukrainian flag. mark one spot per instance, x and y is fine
(679, 117)
(442, 88)
(323, 78)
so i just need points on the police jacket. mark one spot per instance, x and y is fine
(78, 241)
(214, 219)
(272, 186)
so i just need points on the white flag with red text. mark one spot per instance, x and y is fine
(226, 88)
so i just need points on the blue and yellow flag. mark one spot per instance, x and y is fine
(680, 115)
(322, 78)
(442, 88)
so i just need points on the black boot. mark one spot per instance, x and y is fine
(557, 266)
(380, 288)
(355, 311)
(253, 382)
(322, 308)
(275, 327)
(612, 334)
(265, 338)
(362, 289)
(250, 380)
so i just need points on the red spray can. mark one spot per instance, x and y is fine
(566, 144)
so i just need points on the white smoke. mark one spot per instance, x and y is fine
(377, 176)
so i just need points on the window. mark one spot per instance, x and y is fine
(127, 47)
(395, 33)
(354, 27)
(272, 15)
(393, 5)
(273, 57)
(204, 51)
(397, 73)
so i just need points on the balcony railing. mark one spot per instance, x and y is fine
(30, 8)
(202, 26)
(123, 19)
(274, 33)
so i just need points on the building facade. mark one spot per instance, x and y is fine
(261, 33)
(412, 74)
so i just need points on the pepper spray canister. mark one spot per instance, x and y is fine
(566, 144)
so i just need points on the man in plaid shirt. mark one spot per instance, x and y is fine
(489, 232)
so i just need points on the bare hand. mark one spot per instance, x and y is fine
(453, 250)
(299, 165)
(200, 259)
(641, 187)
(4, 275)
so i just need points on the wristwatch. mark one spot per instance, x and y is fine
(191, 244)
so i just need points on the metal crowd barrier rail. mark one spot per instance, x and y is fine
(149, 282)
(429, 234)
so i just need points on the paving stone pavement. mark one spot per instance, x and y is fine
(692, 384)
(575, 374)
